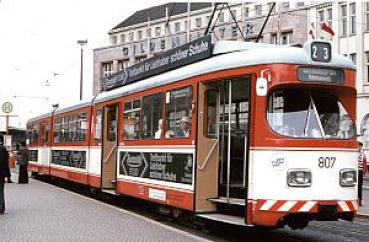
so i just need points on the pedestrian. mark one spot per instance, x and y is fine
(22, 161)
(4, 166)
(361, 172)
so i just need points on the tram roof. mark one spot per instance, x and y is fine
(39, 117)
(81, 104)
(229, 55)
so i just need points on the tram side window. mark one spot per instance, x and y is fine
(56, 130)
(45, 133)
(98, 124)
(179, 113)
(131, 120)
(152, 120)
(72, 128)
(33, 134)
(81, 127)
(211, 128)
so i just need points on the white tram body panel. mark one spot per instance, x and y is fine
(269, 167)
(94, 161)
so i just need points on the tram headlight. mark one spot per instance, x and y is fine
(299, 178)
(348, 177)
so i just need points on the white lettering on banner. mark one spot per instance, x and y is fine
(157, 194)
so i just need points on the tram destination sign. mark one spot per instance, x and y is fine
(325, 75)
(189, 53)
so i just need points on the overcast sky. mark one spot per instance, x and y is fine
(39, 38)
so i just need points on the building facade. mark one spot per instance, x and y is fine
(156, 29)
(159, 28)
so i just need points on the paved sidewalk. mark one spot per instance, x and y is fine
(364, 210)
(42, 212)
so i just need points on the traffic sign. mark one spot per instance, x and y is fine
(7, 107)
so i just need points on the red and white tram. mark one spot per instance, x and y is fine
(251, 134)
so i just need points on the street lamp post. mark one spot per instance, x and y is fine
(81, 43)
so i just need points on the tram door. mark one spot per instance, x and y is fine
(222, 141)
(109, 156)
(233, 130)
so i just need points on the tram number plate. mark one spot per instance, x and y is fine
(326, 162)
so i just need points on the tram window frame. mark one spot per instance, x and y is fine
(132, 106)
(33, 134)
(206, 125)
(56, 131)
(147, 103)
(169, 133)
(98, 124)
(82, 123)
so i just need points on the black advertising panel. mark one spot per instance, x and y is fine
(191, 52)
(171, 167)
(321, 51)
(33, 155)
(324, 75)
(70, 158)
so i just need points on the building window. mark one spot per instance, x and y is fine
(178, 113)
(157, 31)
(367, 66)
(258, 9)
(221, 32)
(140, 58)
(207, 19)
(107, 69)
(131, 120)
(343, 25)
(198, 22)
(364, 130)
(177, 27)
(366, 16)
(352, 18)
(300, 4)
(353, 58)
(185, 25)
(321, 16)
(247, 12)
(234, 31)
(123, 64)
(273, 39)
(176, 41)
(122, 38)
(287, 38)
(329, 17)
(131, 36)
(234, 13)
(152, 120)
(114, 40)
(221, 17)
(140, 34)
(162, 44)
(148, 32)
(270, 5)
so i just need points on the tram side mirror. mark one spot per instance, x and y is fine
(261, 86)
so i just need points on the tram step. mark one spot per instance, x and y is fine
(232, 201)
(224, 218)
(109, 191)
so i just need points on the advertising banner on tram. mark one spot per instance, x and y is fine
(170, 167)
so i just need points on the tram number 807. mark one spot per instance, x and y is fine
(326, 162)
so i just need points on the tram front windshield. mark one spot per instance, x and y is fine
(302, 113)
